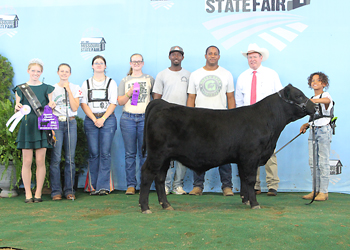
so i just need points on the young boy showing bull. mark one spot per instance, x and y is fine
(323, 135)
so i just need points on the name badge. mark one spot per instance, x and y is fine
(98, 94)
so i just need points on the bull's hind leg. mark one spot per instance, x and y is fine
(244, 189)
(247, 175)
(160, 187)
(251, 179)
(147, 178)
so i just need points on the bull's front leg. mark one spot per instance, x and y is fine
(160, 187)
(146, 181)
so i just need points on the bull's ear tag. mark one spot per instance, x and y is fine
(135, 94)
(47, 121)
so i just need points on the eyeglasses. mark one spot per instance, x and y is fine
(136, 62)
(99, 63)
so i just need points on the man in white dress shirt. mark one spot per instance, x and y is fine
(253, 85)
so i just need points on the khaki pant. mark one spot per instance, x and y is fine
(272, 179)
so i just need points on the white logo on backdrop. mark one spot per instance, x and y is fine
(7, 24)
(167, 4)
(92, 43)
(278, 29)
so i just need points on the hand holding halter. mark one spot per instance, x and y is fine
(25, 110)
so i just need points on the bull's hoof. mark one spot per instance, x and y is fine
(170, 208)
(256, 207)
(147, 211)
(246, 203)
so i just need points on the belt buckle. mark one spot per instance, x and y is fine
(62, 118)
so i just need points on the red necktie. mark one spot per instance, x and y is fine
(253, 90)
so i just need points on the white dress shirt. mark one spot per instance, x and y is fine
(267, 83)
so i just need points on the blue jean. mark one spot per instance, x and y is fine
(323, 139)
(131, 126)
(225, 172)
(99, 146)
(69, 168)
(178, 171)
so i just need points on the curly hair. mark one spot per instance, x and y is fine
(323, 78)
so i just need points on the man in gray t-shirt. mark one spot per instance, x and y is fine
(171, 85)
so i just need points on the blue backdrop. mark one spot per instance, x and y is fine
(302, 37)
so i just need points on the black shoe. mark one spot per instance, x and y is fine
(95, 193)
(104, 192)
(272, 192)
(30, 200)
(37, 200)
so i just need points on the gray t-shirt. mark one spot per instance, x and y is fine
(172, 85)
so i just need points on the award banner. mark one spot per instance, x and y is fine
(48, 121)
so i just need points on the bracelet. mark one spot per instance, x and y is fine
(127, 95)
(103, 117)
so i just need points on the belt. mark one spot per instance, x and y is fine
(63, 118)
(98, 114)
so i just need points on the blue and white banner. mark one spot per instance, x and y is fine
(302, 36)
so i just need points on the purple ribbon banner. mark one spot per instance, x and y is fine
(47, 121)
(135, 94)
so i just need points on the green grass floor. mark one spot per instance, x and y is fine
(210, 221)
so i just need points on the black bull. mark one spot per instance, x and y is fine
(203, 138)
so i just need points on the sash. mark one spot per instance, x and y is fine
(37, 108)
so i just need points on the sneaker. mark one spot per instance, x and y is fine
(179, 190)
(272, 192)
(70, 197)
(167, 191)
(103, 192)
(94, 192)
(196, 191)
(227, 191)
(130, 191)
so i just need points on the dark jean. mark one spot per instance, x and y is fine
(99, 146)
(131, 126)
(225, 172)
(69, 168)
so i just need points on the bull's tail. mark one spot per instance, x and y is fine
(144, 143)
(144, 149)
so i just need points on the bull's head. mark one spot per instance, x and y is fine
(295, 97)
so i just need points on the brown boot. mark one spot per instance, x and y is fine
(196, 191)
(130, 191)
(309, 196)
(321, 197)
(227, 191)
(57, 197)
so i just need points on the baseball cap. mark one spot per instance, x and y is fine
(176, 49)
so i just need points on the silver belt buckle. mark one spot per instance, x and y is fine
(62, 118)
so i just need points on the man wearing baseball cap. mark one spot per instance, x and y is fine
(255, 84)
(171, 85)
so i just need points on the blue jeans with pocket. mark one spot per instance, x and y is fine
(63, 139)
(131, 126)
(99, 146)
(323, 138)
(179, 172)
